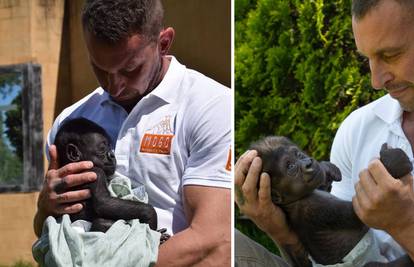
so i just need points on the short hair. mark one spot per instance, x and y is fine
(115, 20)
(72, 131)
(360, 8)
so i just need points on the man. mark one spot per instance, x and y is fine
(384, 33)
(170, 125)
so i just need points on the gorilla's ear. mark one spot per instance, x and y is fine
(73, 153)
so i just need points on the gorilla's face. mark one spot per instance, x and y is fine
(293, 174)
(99, 152)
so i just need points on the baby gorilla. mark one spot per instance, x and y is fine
(80, 140)
(327, 226)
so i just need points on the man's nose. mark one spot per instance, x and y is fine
(116, 84)
(380, 74)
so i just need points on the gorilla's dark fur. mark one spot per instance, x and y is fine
(327, 226)
(79, 140)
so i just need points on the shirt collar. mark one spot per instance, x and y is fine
(105, 97)
(170, 82)
(388, 109)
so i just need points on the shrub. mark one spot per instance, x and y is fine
(297, 71)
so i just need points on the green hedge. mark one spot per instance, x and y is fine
(297, 72)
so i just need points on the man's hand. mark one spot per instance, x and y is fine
(256, 203)
(382, 201)
(386, 203)
(54, 198)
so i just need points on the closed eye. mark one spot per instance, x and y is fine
(131, 70)
(300, 155)
(390, 57)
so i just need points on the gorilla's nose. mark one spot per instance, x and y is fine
(307, 164)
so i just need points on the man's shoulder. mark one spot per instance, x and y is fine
(202, 91)
(85, 105)
(368, 113)
(363, 126)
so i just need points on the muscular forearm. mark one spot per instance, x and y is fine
(292, 250)
(38, 223)
(405, 237)
(192, 248)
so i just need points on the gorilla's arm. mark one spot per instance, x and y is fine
(115, 208)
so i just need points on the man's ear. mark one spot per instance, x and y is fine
(165, 40)
(73, 153)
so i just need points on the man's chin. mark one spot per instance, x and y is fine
(126, 101)
(405, 100)
(407, 107)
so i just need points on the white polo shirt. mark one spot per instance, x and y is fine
(177, 135)
(358, 141)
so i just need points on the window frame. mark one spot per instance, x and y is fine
(32, 120)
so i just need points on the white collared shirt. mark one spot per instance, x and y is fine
(179, 134)
(358, 141)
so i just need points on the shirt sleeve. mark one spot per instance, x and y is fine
(210, 144)
(341, 155)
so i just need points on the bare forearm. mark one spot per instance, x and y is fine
(405, 237)
(292, 250)
(191, 248)
(296, 255)
(38, 223)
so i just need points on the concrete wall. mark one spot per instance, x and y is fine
(202, 42)
(30, 31)
(48, 32)
(203, 35)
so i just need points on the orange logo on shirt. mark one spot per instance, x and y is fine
(228, 164)
(156, 143)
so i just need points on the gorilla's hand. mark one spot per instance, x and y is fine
(395, 161)
(332, 173)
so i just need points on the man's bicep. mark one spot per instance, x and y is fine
(208, 210)
(207, 240)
